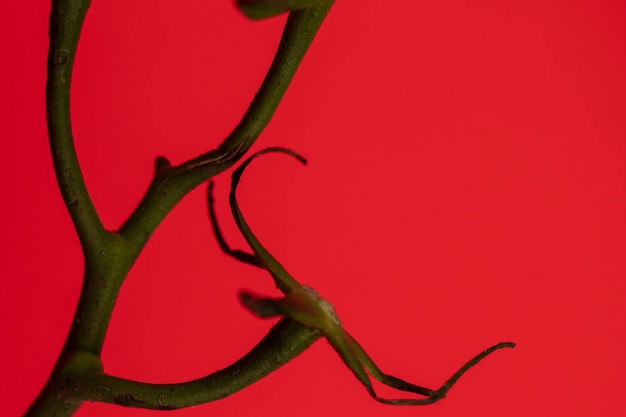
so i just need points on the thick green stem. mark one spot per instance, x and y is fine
(103, 277)
(57, 398)
(285, 341)
(81, 378)
(110, 255)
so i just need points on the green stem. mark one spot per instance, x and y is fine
(170, 184)
(66, 20)
(81, 378)
(110, 255)
(286, 340)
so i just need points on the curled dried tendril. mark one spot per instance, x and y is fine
(304, 305)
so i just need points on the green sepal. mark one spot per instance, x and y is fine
(261, 306)
(263, 9)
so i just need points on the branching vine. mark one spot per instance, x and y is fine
(78, 374)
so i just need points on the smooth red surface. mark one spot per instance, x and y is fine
(466, 186)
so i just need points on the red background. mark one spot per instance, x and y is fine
(466, 186)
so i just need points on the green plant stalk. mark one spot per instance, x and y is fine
(66, 19)
(109, 255)
(171, 183)
(286, 340)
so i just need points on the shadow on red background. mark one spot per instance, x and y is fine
(466, 186)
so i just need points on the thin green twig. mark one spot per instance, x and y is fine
(171, 183)
(66, 20)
